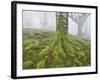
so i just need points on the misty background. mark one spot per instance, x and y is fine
(78, 23)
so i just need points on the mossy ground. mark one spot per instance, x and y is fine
(43, 49)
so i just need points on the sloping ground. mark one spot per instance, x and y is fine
(42, 50)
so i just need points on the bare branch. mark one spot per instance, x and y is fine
(73, 18)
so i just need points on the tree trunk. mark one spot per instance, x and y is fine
(61, 27)
(79, 30)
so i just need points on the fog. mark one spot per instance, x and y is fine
(47, 21)
(39, 20)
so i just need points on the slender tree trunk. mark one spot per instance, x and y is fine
(79, 30)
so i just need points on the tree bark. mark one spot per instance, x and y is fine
(61, 27)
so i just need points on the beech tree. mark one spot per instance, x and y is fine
(61, 50)
(79, 19)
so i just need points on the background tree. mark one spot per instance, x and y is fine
(79, 19)
(43, 20)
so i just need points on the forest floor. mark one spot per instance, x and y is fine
(36, 40)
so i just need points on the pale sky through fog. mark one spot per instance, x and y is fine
(47, 21)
